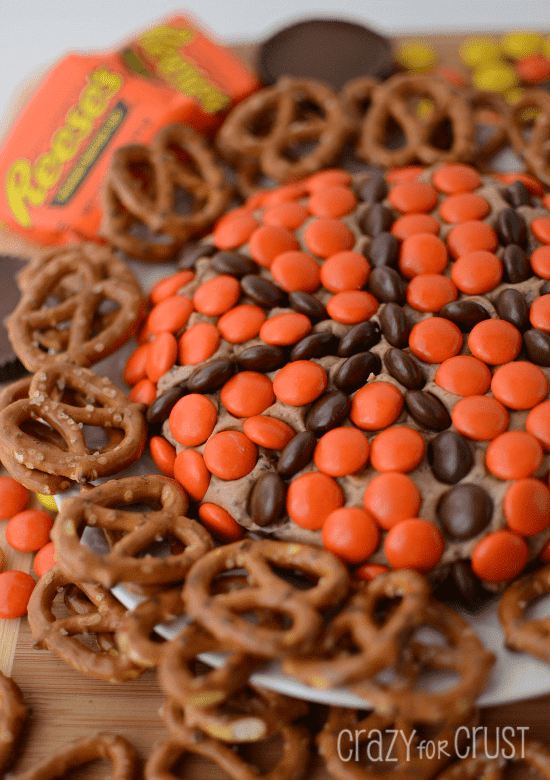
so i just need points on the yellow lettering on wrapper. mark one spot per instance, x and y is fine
(65, 143)
(159, 39)
(78, 123)
(162, 44)
(92, 104)
(47, 170)
(27, 184)
(20, 191)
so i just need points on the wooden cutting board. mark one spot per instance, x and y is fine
(65, 705)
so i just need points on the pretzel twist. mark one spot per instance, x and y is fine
(378, 641)
(38, 330)
(479, 764)
(13, 714)
(168, 754)
(250, 715)
(78, 603)
(105, 260)
(67, 399)
(116, 749)
(356, 97)
(534, 146)
(59, 635)
(492, 136)
(167, 606)
(129, 533)
(462, 655)
(143, 189)
(522, 634)
(177, 673)
(134, 636)
(262, 129)
(33, 478)
(221, 614)
(397, 99)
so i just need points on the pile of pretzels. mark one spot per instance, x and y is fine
(257, 601)
(157, 198)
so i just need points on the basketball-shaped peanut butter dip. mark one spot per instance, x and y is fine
(362, 362)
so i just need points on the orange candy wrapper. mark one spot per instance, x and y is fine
(177, 54)
(57, 153)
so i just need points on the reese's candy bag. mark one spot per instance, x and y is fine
(54, 159)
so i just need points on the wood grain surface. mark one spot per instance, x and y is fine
(65, 705)
(9, 629)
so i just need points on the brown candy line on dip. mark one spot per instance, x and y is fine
(313, 348)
